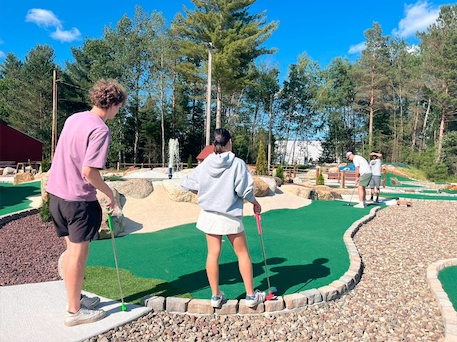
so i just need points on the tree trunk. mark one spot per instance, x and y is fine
(370, 133)
(400, 136)
(424, 128)
(219, 105)
(252, 140)
(269, 133)
(136, 118)
(173, 103)
(162, 109)
(416, 119)
(440, 138)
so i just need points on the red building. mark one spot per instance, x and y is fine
(16, 146)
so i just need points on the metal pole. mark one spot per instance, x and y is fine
(54, 112)
(208, 94)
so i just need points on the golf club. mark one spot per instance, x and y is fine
(115, 259)
(349, 203)
(270, 295)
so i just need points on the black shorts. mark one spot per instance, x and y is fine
(77, 219)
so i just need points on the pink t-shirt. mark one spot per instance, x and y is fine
(84, 141)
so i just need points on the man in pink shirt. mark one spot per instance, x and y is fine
(73, 180)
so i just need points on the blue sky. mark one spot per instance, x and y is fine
(324, 29)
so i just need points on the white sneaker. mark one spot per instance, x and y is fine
(83, 316)
(359, 206)
(216, 301)
(256, 299)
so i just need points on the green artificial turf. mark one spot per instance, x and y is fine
(103, 281)
(419, 196)
(401, 179)
(447, 191)
(14, 197)
(448, 278)
(304, 249)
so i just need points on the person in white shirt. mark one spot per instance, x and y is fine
(375, 166)
(362, 176)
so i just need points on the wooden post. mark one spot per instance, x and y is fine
(295, 171)
(54, 112)
(344, 179)
(317, 175)
(290, 173)
(385, 178)
(339, 175)
(118, 166)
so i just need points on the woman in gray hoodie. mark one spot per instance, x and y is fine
(222, 182)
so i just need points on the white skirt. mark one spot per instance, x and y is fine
(211, 222)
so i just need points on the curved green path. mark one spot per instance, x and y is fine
(418, 196)
(448, 278)
(14, 197)
(304, 248)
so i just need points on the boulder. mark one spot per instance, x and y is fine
(172, 188)
(343, 165)
(324, 193)
(44, 184)
(117, 217)
(7, 171)
(270, 181)
(394, 181)
(299, 191)
(333, 170)
(311, 174)
(135, 188)
(261, 188)
(278, 181)
(23, 178)
(164, 170)
(252, 170)
(341, 191)
(335, 194)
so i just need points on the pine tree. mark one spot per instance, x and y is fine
(261, 164)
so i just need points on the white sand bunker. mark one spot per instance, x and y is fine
(158, 211)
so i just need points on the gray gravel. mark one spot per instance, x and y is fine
(392, 302)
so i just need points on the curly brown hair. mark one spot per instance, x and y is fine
(107, 92)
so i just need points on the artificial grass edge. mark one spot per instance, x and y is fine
(103, 282)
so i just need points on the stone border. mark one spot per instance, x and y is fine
(447, 310)
(288, 303)
(4, 219)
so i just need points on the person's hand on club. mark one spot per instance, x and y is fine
(257, 207)
(110, 203)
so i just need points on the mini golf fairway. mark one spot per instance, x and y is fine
(304, 249)
(14, 197)
(419, 196)
(401, 179)
(447, 278)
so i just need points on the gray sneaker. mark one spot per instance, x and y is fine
(256, 299)
(89, 302)
(83, 316)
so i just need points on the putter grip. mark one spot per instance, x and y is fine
(109, 219)
(257, 216)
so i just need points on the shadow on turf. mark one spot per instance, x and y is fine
(281, 277)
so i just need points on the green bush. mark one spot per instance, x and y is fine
(189, 162)
(279, 172)
(45, 165)
(320, 179)
(45, 214)
(261, 164)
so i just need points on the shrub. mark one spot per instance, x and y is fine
(279, 172)
(45, 165)
(261, 164)
(45, 214)
(320, 179)
(189, 162)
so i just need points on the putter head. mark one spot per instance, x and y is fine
(270, 296)
(123, 307)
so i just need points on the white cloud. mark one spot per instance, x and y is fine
(2, 54)
(357, 48)
(413, 49)
(66, 36)
(43, 18)
(417, 18)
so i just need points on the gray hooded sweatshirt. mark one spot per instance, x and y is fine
(222, 182)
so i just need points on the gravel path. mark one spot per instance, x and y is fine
(392, 302)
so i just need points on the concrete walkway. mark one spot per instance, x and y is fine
(35, 312)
